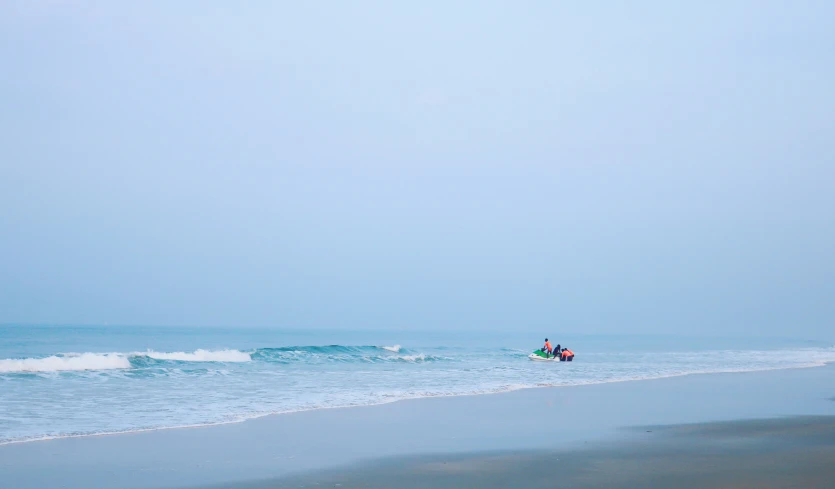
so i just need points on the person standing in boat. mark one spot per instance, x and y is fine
(547, 348)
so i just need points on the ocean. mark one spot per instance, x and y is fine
(63, 381)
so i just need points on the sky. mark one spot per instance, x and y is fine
(597, 167)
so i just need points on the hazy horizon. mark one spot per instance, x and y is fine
(645, 168)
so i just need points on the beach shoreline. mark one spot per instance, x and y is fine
(313, 442)
(501, 391)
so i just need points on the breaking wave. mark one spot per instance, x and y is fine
(200, 356)
(68, 362)
(293, 354)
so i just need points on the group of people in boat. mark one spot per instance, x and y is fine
(564, 354)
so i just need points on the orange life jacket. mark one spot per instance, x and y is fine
(568, 353)
(548, 345)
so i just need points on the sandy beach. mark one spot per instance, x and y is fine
(775, 453)
(748, 428)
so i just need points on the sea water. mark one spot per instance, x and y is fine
(60, 381)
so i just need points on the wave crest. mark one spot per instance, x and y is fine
(69, 362)
(113, 361)
(200, 356)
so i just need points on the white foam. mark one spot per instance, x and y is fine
(200, 356)
(394, 349)
(412, 358)
(112, 361)
(70, 362)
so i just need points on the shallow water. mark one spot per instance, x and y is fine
(75, 381)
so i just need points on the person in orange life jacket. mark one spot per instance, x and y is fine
(547, 348)
(567, 355)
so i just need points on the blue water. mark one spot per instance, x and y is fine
(75, 381)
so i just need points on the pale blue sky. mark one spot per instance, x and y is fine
(598, 167)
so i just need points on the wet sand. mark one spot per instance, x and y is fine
(778, 453)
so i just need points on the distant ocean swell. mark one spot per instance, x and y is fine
(67, 362)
